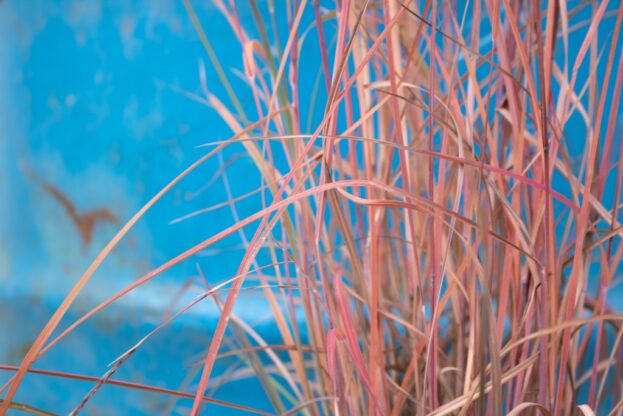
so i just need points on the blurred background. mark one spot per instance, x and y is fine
(95, 118)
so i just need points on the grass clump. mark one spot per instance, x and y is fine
(445, 236)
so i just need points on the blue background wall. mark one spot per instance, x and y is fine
(91, 104)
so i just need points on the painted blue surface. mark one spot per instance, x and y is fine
(93, 109)
(91, 104)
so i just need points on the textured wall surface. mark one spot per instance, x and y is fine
(95, 120)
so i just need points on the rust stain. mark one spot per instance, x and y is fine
(85, 223)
